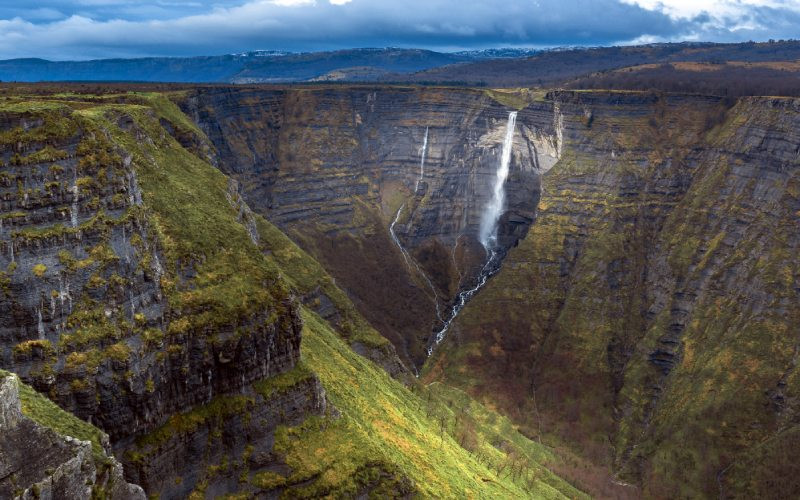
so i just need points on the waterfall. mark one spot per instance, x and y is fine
(487, 233)
(493, 211)
(39, 323)
(406, 257)
(73, 211)
(410, 260)
(487, 271)
(133, 305)
(422, 160)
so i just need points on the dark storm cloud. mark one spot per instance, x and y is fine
(106, 28)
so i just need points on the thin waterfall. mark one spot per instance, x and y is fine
(488, 232)
(410, 260)
(73, 211)
(406, 257)
(423, 151)
(39, 322)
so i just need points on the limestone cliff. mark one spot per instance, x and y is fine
(112, 302)
(334, 167)
(649, 317)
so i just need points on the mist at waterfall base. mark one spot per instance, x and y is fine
(487, 233)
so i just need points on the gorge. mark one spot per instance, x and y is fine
(598, 290)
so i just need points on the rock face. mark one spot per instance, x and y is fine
(335, 167)
(83, 310)
(111, 300)
(36, 462)
(217, 448)
(649, 316)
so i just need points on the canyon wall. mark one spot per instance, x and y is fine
(649, 318)
(334, 167)
(649, 290)
(113, 240)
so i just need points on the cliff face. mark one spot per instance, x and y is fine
(641, 277)
(633, 220)
(649, 316)
(335, 168)
(112, 302)
(85, 310)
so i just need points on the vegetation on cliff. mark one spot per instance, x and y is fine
(48, 414)
(646, 319)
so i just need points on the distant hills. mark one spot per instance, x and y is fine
(248, 67)
(560, 67)
(503, 67)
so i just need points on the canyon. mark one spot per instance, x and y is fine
(618, 310)
(226, 279)
(333, 168)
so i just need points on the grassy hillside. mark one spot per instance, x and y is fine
(419, 435)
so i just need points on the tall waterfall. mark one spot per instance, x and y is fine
(422, 160)
(493, 211)
(487, 233)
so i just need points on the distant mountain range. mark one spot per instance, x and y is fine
(492, 67)
(559, 67)
(260, 66)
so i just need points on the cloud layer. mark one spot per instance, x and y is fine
(85, 29)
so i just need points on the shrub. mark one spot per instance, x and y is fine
(39, 270)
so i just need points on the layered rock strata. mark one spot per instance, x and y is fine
(648, 318)
(37, 462)
(334, 166)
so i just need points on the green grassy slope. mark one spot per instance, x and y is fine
(417, 434)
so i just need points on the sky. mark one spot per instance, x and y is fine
(91, 29)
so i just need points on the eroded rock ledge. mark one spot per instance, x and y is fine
(37, 462)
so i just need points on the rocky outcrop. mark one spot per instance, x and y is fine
(37, 462)
(334, 167)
